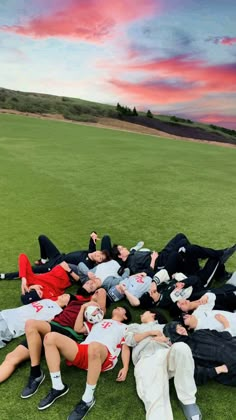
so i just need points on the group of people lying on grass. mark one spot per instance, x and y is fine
(73, 326)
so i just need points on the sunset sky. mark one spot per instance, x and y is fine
(174, 57)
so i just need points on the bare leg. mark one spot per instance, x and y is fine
(97, 354)
(56, 344)
(35, 330)
(12, 360)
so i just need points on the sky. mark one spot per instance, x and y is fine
(174, 57)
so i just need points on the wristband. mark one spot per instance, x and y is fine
(70, 271)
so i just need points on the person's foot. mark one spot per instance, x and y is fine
(138, 246)
(2, 276)
(32, 386)
(81, 410)
(52, 396)
(227, 253)
(191, 411)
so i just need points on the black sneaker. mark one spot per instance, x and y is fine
(32, 386)
(52, 396)
(81, 410)
(228, 252)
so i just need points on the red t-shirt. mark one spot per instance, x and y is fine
(54, 282)
(68, 316)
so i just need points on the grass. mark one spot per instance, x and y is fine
(66, 180)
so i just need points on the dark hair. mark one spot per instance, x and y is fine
(115, 252)
(170, 331)
(128, 315)
(159, 317)
(82, 292)
(146, 302)
(106, 254)
(72, 297)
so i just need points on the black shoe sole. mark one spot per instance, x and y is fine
(56, 398)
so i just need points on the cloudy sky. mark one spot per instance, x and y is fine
(171, 56)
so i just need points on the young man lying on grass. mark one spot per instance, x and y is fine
(98, 353)
(179, 255)
(214, 352)
(156, 361)
(50, 256)
(64, 323)
(12, 321)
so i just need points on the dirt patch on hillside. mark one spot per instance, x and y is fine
(120, 125)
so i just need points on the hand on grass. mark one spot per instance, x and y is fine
(122, 375)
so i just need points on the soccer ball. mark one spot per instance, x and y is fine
(93, 314)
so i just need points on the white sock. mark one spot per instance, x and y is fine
(56, 380)
(43, 260)
(88, 393)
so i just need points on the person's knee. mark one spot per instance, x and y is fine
(12, 359)
(94, 351)
(50, 339)
(181, 350)
(30, 326)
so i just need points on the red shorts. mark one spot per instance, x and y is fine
(81, 359)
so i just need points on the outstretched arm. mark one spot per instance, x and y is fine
(125, 357)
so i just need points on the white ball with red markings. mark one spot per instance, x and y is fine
(93, 314)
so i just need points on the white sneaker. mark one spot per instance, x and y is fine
(138, 246)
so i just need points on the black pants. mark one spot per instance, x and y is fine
(48, 250)
(187, 261)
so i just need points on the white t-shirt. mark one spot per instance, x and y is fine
(110, 333)
(106, 269)
(42, 310)
(137, 285)
(206, 319)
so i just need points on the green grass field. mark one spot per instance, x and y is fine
(66, 180)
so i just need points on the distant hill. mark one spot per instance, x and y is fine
(93, 112)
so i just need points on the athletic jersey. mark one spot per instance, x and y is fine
(43, 310)
(107, 269)
(137, 285)
(68, 317)
(108, 332)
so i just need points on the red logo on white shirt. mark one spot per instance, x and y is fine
(38, 306)
(106, 325)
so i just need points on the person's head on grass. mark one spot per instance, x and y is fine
(99, 256)
(184, 305)
(152, 316)
(150, 298)
(122, 314)
(175, 331)
(119, 252)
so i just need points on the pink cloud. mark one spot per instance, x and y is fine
(90, 20)
(214, 77)
(224, 40)
(178, 79)
(222, 120)
(155, 92)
